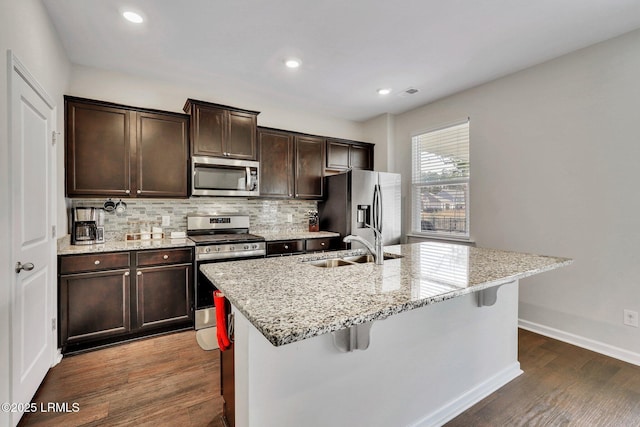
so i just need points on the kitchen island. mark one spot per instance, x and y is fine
(414, 341)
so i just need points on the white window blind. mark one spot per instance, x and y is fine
(440, 181)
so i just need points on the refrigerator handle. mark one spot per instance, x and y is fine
(377, 208)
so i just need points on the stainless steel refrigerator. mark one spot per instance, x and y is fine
(350, 205)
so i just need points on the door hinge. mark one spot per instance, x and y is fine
(53, 324)
(53, 231)
(54, 137)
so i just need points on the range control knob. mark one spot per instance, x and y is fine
(217, 248)
(246, 247)
(207, 250)
(232, 248)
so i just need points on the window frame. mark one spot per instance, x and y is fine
(417, 209)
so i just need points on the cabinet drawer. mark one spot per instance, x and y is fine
(323, 244)
(163, 256)
(93, 262)
(285, 247)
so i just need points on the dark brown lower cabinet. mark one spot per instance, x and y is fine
(94, 306)
(110, 297)
(163, 295)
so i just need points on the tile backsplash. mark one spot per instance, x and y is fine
(265, 215)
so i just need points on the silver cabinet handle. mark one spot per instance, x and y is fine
(127, 191)
(165, 257)
(139, 191)
(321, 243)
(139, 273)
(286, 246)
(28, 266)
(96, 262)
(126, 274)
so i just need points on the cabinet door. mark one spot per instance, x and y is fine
(162, 155)
(163, 295)
(337, 155)
(309, 167)
(241, 136)
(276, 163)
(94, 306)
(361, 157)
(97, 150)
(209, 129)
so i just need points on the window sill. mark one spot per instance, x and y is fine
(434, 238)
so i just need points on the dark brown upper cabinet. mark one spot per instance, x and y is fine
(276, 163)
(310, 154)
(344, 154)
(222, 131)
(121, 151)
(291, 164)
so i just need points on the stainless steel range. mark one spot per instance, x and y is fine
(218, 238)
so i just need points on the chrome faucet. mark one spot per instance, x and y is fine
(375, 249)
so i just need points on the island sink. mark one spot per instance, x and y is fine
(349, 260)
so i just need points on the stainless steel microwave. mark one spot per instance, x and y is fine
(213, 176)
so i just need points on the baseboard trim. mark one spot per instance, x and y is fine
(470, 398)
(580, 341)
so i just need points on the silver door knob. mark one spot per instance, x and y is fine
(26, 267)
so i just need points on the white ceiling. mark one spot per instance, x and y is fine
(349, 48)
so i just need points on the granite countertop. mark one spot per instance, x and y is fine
(288, 299)
(290, 235)
(66, 248)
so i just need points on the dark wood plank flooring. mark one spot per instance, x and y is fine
(165, 380)
(169, 380)
(562, 385)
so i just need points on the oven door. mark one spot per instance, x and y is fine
(224, 177)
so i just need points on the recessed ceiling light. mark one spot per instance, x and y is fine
(384, 91)
(292, 63)
(132, 17)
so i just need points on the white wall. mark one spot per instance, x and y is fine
(554, 152)
(138, 91)
(26, 30)
(380, 131)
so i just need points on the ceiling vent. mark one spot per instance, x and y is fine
(407, 92)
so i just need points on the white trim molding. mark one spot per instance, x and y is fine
(471, 397)
(580, 341)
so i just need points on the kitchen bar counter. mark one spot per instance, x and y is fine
(412, 342)
(288, 299)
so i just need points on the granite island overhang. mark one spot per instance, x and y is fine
(442, 338)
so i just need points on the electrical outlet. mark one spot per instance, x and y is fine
(166, 220)
(289, 217)
(631, 318)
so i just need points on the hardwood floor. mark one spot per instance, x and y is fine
(166, 380)
(170, 381)
(562, 385)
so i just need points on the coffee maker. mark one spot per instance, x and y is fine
(87, 226)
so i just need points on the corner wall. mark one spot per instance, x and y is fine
(554, 158)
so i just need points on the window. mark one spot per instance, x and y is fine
(440, 181)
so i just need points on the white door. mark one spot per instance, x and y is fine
(31, 122)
